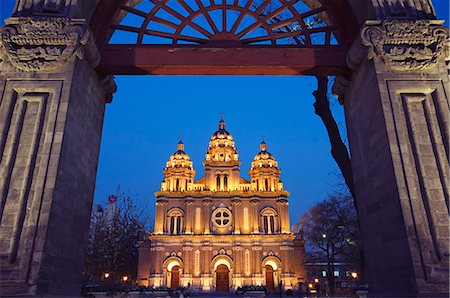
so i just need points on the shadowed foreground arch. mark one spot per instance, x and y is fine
(55, 81)
(218, 46)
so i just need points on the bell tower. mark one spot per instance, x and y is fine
(179, 172)
(264, 173)
(222, 172)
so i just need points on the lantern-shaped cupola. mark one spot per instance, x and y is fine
(179, 172)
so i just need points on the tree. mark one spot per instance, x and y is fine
(330, 229)
(114, 237)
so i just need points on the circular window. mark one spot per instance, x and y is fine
(221, 217)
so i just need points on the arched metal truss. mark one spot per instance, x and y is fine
(223, 36)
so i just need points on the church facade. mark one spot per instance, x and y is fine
(221, 231)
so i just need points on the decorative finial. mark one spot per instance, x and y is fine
(221, 122)
(180, 146)
(263, 146)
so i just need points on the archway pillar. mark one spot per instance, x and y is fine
(396, 106)
(51, 116)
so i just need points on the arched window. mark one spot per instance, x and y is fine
(225, 182)
(177, 185)
(186, 185)
(175, 222)
(257, 184)
(218, 182)
(266, 188)
(268, 217)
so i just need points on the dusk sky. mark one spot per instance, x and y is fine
(148, 114)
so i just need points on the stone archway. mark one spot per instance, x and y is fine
(172, 270)
(395, 106)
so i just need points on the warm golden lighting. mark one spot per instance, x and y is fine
(310, 286)
(125, 278)
(106, 275)
(354, 274)
(316, 280)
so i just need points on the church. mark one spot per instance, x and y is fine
(221, 232)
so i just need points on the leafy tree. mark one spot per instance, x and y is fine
(330, 229)
(114, 237)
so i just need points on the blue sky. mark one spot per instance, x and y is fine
(148, 114)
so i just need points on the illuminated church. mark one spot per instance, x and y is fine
(221, 231)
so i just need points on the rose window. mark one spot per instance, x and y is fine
(221, 217)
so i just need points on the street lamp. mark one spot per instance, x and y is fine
(106, 275)
(324, 235)
(124, 278)
(354, 274)
(316, 280)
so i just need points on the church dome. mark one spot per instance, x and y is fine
(221, 147)
(264, 158)
(179, 159)
(221, 133)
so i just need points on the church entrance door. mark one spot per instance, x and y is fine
(175, 277)
(222, 278)
(269, 278)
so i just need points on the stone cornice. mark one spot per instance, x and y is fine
(217, 238)
(222, 194)
(401, 44)
(42, 44)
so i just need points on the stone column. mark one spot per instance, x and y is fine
(207, 216)
(207, 276)
(236, 215)
(396, 106)
(189, 219)
(255, 216)
(160, 215)
(51, 117)
(282, 205)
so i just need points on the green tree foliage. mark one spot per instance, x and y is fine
(331, 231)
(114, 237)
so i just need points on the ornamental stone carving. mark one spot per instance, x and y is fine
(406, 45)
(47, 43)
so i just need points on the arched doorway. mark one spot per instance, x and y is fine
(175, 277)
(222, 278)
(270, 278)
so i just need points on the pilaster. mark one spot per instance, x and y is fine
(189, 215)
(207, 216)
(236, 215)
(255, 215)
(161, 205)
(51, 114)
(396, 106)
(282, 205)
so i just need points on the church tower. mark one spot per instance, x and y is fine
(179, 172)
(221, 232)
(264, 173)
(222, 162)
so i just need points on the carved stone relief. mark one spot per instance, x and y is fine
(406, 45)
(46, 43)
